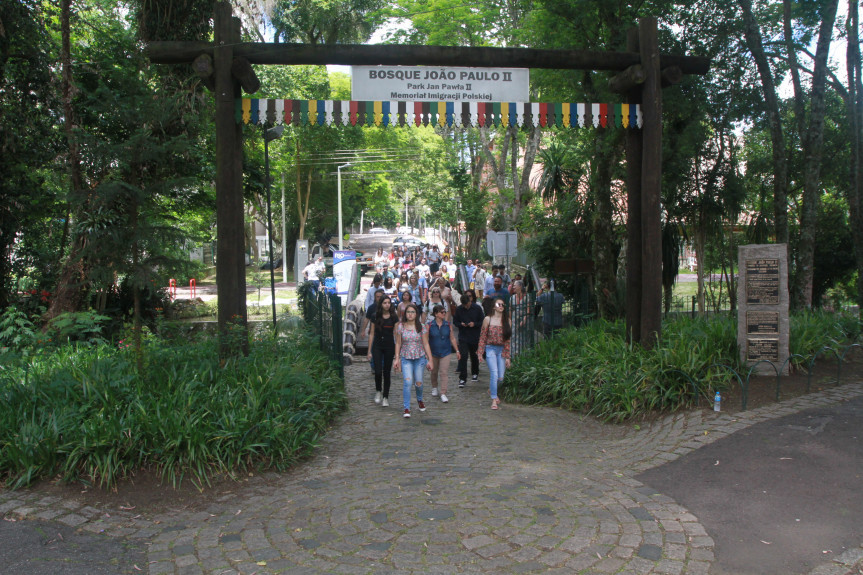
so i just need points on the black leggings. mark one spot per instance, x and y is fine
(383, 358)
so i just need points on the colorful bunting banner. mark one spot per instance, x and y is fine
(459, 114)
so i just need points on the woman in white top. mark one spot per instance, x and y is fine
(435, 298)
(479, 281)
(380, 260)
(390, 290)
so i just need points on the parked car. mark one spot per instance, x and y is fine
(379, 231)
(409, 242)
(268, 264)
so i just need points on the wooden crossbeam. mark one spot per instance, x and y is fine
(356, 55)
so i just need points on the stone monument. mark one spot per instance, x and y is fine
(762, 317)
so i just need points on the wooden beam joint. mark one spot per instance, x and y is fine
(242, 71)
(630, 78)
(203, 67)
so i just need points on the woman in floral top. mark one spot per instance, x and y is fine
(413, 354)
(494, 339)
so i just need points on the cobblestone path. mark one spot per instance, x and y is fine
(457, 489)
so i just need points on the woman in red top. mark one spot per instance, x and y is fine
(494, 339)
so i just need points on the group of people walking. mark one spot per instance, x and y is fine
(425, 328)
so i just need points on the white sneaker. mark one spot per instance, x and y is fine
(385, 403)
(377, 397)
(444, 398)
(434, 392)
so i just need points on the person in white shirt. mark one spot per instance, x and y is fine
(313, 271)
(489, 280)
(380, 259)
(423, 268)
(434, 259)
(478, 279)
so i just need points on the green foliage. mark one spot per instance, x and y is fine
(325, 21)
(17, 332)
(80, 326)
(834, 248)
(88, 415)
(29, 143)
(813, 330)
(594, 370)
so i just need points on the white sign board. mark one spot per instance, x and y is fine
(447, 84)
(343, 264)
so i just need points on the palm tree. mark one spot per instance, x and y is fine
(558, 172)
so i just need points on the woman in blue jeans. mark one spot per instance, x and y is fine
(413, 354)
(494, 340)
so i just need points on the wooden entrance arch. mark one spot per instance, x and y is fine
(225, 66)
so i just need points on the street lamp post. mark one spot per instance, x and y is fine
(341, 233)
(272, 134)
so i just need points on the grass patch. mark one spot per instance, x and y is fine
(593, 369)
(254, 276)
(86, 413)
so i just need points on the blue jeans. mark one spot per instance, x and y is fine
(412, 371)
(496, 367)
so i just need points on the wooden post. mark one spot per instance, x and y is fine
(230, 262)
(633, 221)
(651, 182)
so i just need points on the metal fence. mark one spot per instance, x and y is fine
(689, 305)
(534, 320)
(322, 313)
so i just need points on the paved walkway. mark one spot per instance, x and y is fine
(457, 489)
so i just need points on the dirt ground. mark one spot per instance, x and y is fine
(825, 373)
(146, 491)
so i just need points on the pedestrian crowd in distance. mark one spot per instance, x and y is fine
(416, 321)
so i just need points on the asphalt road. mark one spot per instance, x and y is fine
(38, 547)
(779, 497)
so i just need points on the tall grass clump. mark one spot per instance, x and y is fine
(91, 414)
(593, 369)
(812, 330)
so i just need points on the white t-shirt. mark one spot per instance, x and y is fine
(311, 272)
(423, 270)
(429, 306)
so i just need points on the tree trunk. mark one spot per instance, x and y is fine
(603, 229)
(854, 107)
(303, 205)
(71, 284)
(791, 50)
(699, 266)
(801, 293)
(522, 185)
(136, 289)
(780, 165)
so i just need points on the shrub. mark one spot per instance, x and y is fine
(88, 414)
(594, 369)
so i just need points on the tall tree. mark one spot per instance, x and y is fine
(28, 140)
(755, 43)
(813, 142)
(325, 21)
(854, 112)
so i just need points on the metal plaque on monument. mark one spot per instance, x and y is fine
(762, 316)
